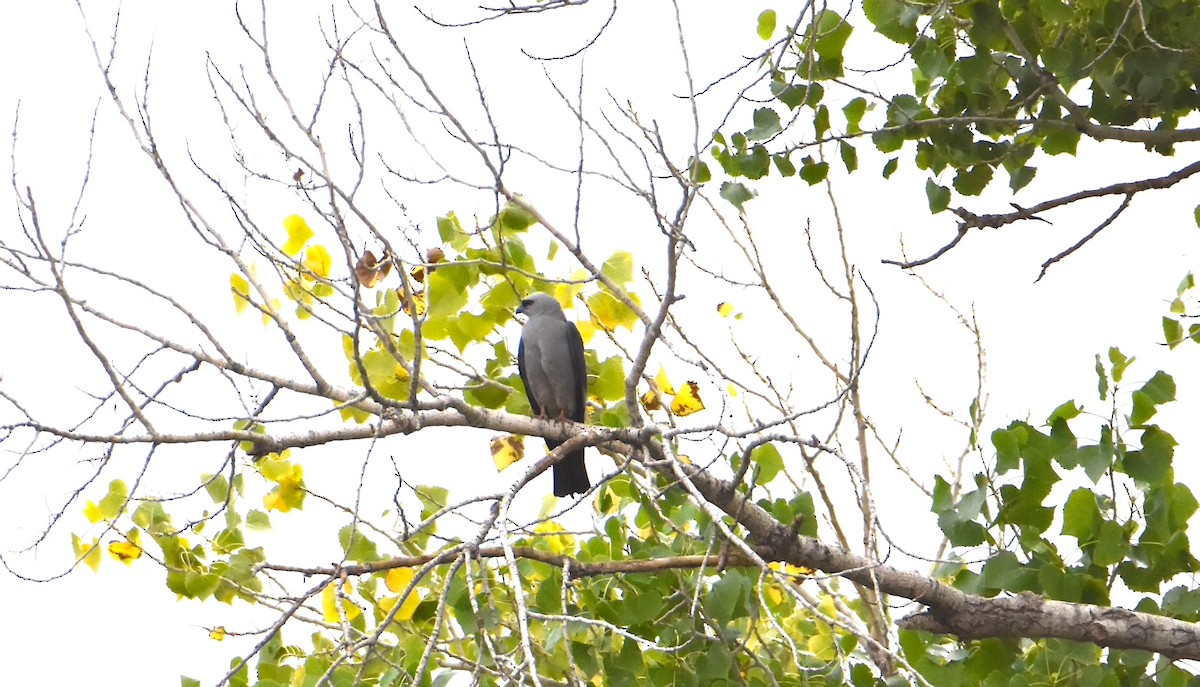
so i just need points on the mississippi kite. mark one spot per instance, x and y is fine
(550, 360)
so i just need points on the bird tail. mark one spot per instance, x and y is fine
(570, 474)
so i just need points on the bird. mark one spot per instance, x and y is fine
(550, 361)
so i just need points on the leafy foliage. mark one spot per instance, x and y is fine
(685, 570)
(993, 83)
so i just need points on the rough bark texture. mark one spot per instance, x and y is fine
(950, 611)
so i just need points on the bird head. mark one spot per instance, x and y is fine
(541, 305)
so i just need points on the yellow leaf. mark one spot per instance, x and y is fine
(660, 387)
(90, 554)
(586, 330)
(398, 579)
(610, 313)
(507, 450)
(329, 604)
(273, 307)
(796, 572)
(556, 543)
(775, 595)
(241, 292)
(821, 644)
(126, 552)
(92, 512)
(687, 401)
(565, 293)
(289, 478)
(828, 606)
(733, 392)
(724, 309)
(651, 400)
(407, 608)
(217, 633)
(318, 261)
(419, 301)
(662, 383)
(298, 233)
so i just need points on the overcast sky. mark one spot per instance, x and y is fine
(1040, 337)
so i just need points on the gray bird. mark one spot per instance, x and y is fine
(550, 360)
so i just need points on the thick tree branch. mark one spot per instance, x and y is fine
(950, 610)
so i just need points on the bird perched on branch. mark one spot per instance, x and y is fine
(550, 360)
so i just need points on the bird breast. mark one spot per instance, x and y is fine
(548, 365)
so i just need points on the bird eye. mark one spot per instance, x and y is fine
(525, 303)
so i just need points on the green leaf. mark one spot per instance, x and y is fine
(432, 499)
(727, 598)
(766, 24)
(114, 501)
(814, 172)
(1102, 377)
(1097, 459)
(784, 165)
(1151, 464)
(890, 167)
(939, 196)
(792, 95)
(821, 121)
(972, 181)
(769, 462)
(698, 172)
(447, 294)
(1008, 446)
(1066, 411)
(487, 395)
(356, 545)
(1061, 141)
(515, 218)
(258, 520)
(200, 586)
(1196, 215)
(1112, 544)
(217, 487)
(1119, 363)
(755, 164)
(737, 194)
(1160, 389)
(450, 231)
(849, 155)
(854, 111)
(619, 267)
(1020, 177)
(931, 59)
(766, 124)
(888, 141)
(1081, 516)
(892, 19)
(609, 384)
(832, 33)
(714, 665)
(151, 516)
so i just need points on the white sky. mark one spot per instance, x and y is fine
(123, 624)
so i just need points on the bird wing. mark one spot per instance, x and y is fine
(533, 403)
(579, 370)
